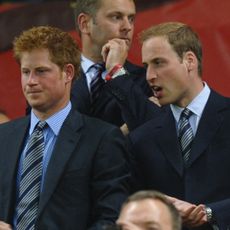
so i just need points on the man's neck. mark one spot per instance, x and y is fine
(92, 53)
(92, 57)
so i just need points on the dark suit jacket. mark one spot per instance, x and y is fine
(157, 160)
(107, 107)
(86, 179)
(135, 106)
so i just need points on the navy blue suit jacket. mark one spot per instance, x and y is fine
(107, 107)
(86, 180)
(157, 161)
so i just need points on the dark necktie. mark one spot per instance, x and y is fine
(97, 82)
(185, 134)
(29, 187)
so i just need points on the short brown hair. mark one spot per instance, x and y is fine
(155, 195)
(180, 36)
(89, 7)
(62, 47)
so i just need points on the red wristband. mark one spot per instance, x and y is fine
(109, 76)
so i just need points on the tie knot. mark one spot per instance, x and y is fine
(41, 125)
(186, 113)
(99, 67)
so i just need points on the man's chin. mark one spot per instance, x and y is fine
(36, 105)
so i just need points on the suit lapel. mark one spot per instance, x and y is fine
(168, 141)
(67, 140)
(209, 123)
(11, 162)
(80, 96)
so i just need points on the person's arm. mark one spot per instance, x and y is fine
(124, 128)
(114, 52)
(110, 179)
(135, 106)
(216, 213)
(192, 215)
(220, 213)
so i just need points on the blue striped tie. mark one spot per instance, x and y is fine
(97, 82)
(185, 134)
(29, 187)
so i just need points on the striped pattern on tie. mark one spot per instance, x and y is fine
(185, 134)
(29, 187)
(97, 82)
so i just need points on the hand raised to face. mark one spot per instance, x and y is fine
(114, 52)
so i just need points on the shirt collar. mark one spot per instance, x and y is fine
(54, 122)
(196, 105)
(86, 64)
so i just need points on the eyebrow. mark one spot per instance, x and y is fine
(152, 224)
(142, 224)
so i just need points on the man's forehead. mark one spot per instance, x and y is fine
(155, 46)
(118, 6)
(142, 213)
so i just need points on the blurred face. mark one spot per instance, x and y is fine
(43, 83)
(114, 19)
(168, 75)
(147, 214)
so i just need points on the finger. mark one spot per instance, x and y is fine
(196, 217)
(118, 41)
(187, 210)
(105, 51)
(199, 221)
(122, 43)
(155, 100)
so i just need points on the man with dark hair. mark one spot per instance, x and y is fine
(59, 169)
(106, 30)
(148, 210)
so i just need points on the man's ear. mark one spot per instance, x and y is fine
(83, 21)
(190, 60)
(68, 72)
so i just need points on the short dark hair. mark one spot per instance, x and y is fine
(89, 7)
(180, 36)
(155, 195)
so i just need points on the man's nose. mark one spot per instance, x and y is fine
(32, 78)
(127, 24)
(151, 74)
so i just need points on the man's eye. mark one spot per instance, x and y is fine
(158, 62)
(25, 72)
(131, 19)
(116, 17)
(41, 71)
